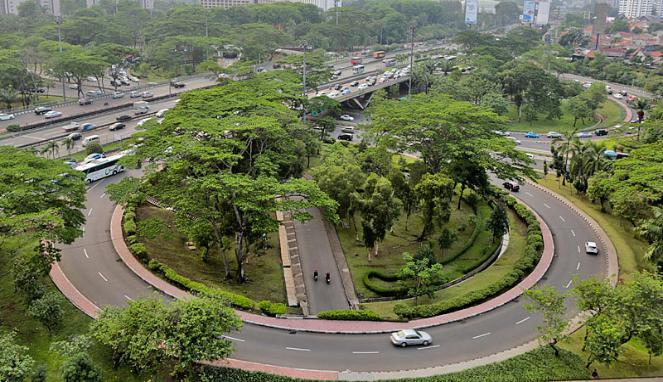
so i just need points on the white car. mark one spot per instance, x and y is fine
(52, 114)
(407, 337)
(553, 134)
(363, 86)
(117, 95)
(618, 96)
(591, 248)
(346, 117)
(6, 117)
(161, 113)
(333, 94)
(515, 140)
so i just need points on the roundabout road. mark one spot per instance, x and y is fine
(94, 268)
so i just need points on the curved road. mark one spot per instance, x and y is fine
(94, 268)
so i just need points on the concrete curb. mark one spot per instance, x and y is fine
(337, 326)
(71, 293)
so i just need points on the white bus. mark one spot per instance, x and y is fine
(358, 69)
(101, 168)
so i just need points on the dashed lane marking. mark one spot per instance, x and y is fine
(578, 266)
(578, 249)
(92, 188)
(568, 284)
(102, 195)
(365, 352)
(564, 220)
(297, 349)
(523, 320)
(529, 194)
(429, 347)
(128, 298)
(547, 206)
(102, 276)
(85, 253)
(573, 233)
(234, 339)
(90, 211)
(481, 335)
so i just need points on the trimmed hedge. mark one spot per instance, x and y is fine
(353, 315)
(381, 290)
(14, 128)
(272, 308)
(520, 269)
(477, 230)
(536, 366)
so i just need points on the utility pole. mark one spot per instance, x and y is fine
(409, 88)
(336, 3)
(304, 69)
(58, 21)
(206, 35)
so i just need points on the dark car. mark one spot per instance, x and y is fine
(511, 186)
(345, 137)
(117, 126)
(177, 84)
(337, 87)
(42, 110)
(600, 132)
(123, 117)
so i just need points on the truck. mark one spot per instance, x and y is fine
(73, 126)
(355, 60)
(378, 54)
(141, 107)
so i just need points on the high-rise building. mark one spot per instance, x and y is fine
(11, 6)
(635, 8)
(147, 4)
(600, 18)
(322, 4)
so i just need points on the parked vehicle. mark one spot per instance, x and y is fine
(531, 134)
(348, 129)
(511, 186)
(345, 137)
(135, 94)
(6, 117)
(411, 337)
(117, 126)
(42, 110)
(591, 248)
(346, 117)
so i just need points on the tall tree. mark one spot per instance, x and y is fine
(14, 358)
(434, 195)
(379, 209)
(420, 275)
(547, 301)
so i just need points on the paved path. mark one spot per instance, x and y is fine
(315, 252)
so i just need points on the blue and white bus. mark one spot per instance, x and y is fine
(101, 168)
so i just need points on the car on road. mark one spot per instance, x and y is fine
(411, 337)
(94, 93)
(52, 114)
(511, 186)
(354, 83)
(73, 86)
(117, 126)
(177, 84)
(336, 87)
(530, 155)
(345, 137)
(584, 134)
(618, 96)
(42, 110)
(117, 95)
(346, 117)
(123, 118)
(85, 101)
(147, 95)
(591, 248)
(6, 117)
(93, 156)
(333, 94)
(87, 127)
(363, 86)
(348, 129)
(600, 132)
(135, 94)
(517, 141)
(531, 134)
(161, 113)
(502, 133)
(553, 134)
(346, 91)
(75, 136)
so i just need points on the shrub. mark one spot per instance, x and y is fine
(272, 308)
(398, 291)
(129, 227)
(14, 128)
(354, 315)
(139, 251)
(132, 239)
(154, 265)
(93, 148)
(48, 310)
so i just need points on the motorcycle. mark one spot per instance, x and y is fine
(328, 278)
(315, 276)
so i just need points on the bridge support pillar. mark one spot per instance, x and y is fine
(358, 103)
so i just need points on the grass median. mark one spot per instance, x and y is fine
(610, 112)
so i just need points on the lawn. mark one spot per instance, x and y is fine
(629, 249)
(43, 99)
(400, 240)
(14, 315)
(80, 155)
(157, 230)
(611, 112)
(503, 265)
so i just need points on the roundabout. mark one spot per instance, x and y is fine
(94, 276)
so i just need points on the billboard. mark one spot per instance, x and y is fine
(529, 9)
(543, 13)
(471, 10)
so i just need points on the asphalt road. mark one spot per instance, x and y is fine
(615, 86)
(93, 267)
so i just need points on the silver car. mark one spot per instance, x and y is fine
(409, 337)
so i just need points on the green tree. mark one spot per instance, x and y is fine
(80, 368)
(550, 303)
(652, 230)
(16, 363)
(48, 309)
(51, 147)
(404, 191)
(379, 209)
(434, 195)
(420, 276)
(498, 223)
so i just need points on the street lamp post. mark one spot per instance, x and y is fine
(304, 68)
(58, 21)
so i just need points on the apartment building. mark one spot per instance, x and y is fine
(322, 4)
(10, 7)
(635, 8)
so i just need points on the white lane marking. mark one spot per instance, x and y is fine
(128, 298)
(528, 194)
(102, 276)
(234, 339)
(573, 233)
(365, 352)
(578, 249)
(90, 212)
(481, 335)
(102, 195)
(85, 253)
(429, 347)
(91, 188)
(297, 349)
(547, 206)
(564, 220)
(523, 320)
(578, 266)
(568, 284)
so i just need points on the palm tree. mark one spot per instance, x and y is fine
(52, 147)
(8, 96)
(586, 161)
(567, 148)
(652, 230)
(641, 104)
(69, 144)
